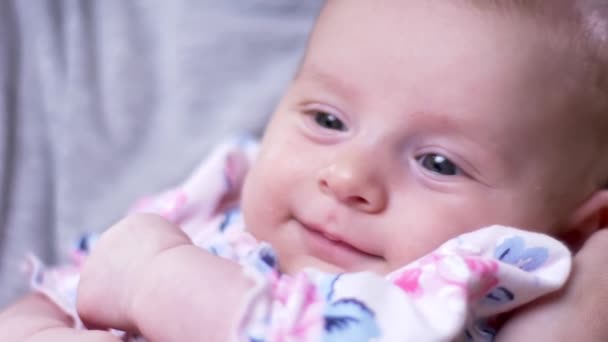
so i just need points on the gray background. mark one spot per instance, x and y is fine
(103, 101)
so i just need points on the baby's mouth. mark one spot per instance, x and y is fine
(333, 249)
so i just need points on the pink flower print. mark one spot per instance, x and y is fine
(169, 205)
(453, 270)
(171, 208)
(235, 169)
(409, 281)
(297, 308)
(485, 283)
(433, 272)
(486, 272)
(78, 258)
(478, 265)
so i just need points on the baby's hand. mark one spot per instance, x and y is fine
(578, 312)
(117, 267)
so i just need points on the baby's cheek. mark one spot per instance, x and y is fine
(258, 205)
(408, 247)
(399, 257)
(249, 206)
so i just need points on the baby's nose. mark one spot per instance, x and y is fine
(354, 185)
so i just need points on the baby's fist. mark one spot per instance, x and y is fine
(112, 274)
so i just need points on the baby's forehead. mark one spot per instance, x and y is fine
(574, 29)
(579, 26)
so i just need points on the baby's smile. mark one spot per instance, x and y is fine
(332, 248)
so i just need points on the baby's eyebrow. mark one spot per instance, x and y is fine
(310, 73)
(442, 122)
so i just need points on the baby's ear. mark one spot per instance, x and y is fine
(590, 216)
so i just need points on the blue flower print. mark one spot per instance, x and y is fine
(501, 294)
(480, 331)
(513, 251)
(346, 319)
(498, 295)
(268, 256)
(229, 217)
(349, 320)
(86, 242)
(264, 259)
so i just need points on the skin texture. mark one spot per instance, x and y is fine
(35, 319)
(402, 129)
(411, 83)
(577, 312)
(160, 278)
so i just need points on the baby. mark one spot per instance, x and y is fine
(408, 124)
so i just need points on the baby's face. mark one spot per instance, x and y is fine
(408, 124)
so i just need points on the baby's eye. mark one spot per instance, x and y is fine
(439, 164)
(329, 121)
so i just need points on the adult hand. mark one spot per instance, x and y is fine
(578, 312)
